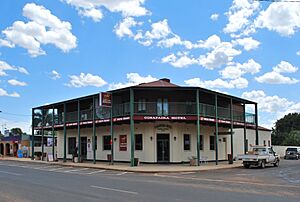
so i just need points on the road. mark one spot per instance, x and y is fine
(21, 181)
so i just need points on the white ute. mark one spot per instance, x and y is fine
(260, 156)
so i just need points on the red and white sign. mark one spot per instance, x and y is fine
(123, 143)
(105, 99)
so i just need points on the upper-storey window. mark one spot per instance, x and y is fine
(142, 105)
(162, 107)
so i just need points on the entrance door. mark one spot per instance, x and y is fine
(163, 148)
(83, 148)
(1, 149)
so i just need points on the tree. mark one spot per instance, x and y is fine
(16, 131)
(284, 126)
(292, 139)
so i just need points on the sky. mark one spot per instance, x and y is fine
(61, 49)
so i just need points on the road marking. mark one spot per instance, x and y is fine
(121, 173)
(60, 168)
(11, 173)
(186, 173)
(116, 190)
(76, 170)
(94, 172)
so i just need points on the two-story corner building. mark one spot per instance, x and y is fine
(157, 122)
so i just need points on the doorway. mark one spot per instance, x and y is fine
(7, 149)
(2, 149)
(163, 148)
(83, 148)
(15, 149)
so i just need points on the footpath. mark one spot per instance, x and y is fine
(142, 168)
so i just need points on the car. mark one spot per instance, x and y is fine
(260, 156)
(292, 153)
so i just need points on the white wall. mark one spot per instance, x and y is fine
(148, 130)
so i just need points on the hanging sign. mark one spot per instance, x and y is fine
(105, 99)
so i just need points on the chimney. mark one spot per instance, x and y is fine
(165, 80)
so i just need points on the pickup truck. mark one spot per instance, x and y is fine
(260, 156)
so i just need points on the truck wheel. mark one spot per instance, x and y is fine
(262, 164)
(276, 164)
(246, 165)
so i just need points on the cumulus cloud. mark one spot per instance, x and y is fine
(123, 28)
(280, 17)
(15, 82)
(239, 17)
(5, 93)
(84, 80)
(276, 77)
(214, 17)
(236, 70)
(132, 80)
(180, 60)
(55, 75)
(248, 43)
(43, 28)
(4, 66)
(94, 8)
(218, 83)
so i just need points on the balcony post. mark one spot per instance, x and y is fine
(256, 125)
(198, 127)
(131, 128)
(65, 133)
(112, 132)
(53, 133)
(32, 135)
(231, 131)
(78, 131)
(245, 129)
(42, 134)
(94, 132)
(216, 128)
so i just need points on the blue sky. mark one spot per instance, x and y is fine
(61, 49)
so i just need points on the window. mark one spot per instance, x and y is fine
(162, 107)
(265, 143)
(201, 142)
(187, 142)
(269, 143)
(212, 142)
(71, 145)
(106, 142)
(138, 142)
(142, 105)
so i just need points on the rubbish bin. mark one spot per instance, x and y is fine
(230, 159)
(109, 157)
(193, 161)
(136, 161)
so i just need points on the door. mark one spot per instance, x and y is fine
(271, 155)
(83, 147)
(163, 148)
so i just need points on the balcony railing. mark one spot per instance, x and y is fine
(155, 109)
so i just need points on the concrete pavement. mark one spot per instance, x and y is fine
(142, 168)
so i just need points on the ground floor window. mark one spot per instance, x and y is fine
(187, 142)
(138, 142)
(201, 142)
(106, 142)
(212, 142)
(71, 145)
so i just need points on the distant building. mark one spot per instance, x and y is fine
(156, 122)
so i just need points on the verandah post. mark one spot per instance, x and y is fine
(198, 127)
(65, 133)
(216, 128)
(131, 127)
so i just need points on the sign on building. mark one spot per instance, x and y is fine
(105, 99)
(123, 143)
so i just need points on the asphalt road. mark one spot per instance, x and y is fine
(39, 182)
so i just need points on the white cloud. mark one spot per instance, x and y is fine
(84, 80)
(275, 77)
(15, 82)
(132, 80)
(236, 70)
(43, 28)
(5, 93)
(124, 27)
(94, 8)
(214, 17)
(280, 17)
(220, 55)
(181, 60)
(218, 83)
(239, 16)
(248, 43)
(298, 53)
(55, 75)
(212, 42)
(4, 66)
(6, 43)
